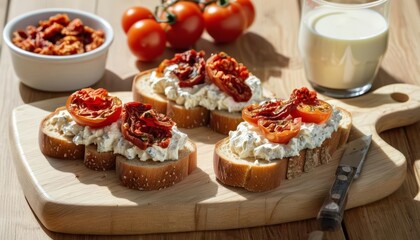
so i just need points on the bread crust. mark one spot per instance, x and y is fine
(187, 118)
(56, 145)
(220, 121)
(98, 161)
(263, 175)
(151, 175)
(223, 122)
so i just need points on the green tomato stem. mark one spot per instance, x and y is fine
(223, 3)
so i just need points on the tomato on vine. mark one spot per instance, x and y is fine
(249, 10)
(224, 20)
(146, 39)
(133, 15)
(183, 24)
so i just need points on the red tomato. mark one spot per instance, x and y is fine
(93, 108)
(249, 11)
(229, 76)
(146, 39)
(134, 14)
(191, 67)
(280, 131)
(224, 23)
(143, 126)
(185, 24)
(315, 113)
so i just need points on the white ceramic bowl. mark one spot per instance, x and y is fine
(58, 73)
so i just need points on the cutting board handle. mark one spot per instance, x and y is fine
(390, 106)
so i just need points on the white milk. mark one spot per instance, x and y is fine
(342, 49)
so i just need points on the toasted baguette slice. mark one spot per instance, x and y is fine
(98, 161)
(224, 121)
(262, 175)
(151, 175)
(220, 121)
(54, 144)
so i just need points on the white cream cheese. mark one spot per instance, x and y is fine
(109, 139)
(247, 141)
(205, 95)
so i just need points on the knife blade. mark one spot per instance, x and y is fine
(331, 213)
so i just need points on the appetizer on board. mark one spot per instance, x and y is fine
(197, 92)
(144, 146)
(280, 139)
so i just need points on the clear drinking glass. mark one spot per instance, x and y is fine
(342, 44)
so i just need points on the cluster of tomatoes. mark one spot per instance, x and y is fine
(181, 24)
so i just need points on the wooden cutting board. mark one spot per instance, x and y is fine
(67, 197)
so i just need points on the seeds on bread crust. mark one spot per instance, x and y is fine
(98, 161)
(151, 175)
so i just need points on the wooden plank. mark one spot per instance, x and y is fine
(3, 14)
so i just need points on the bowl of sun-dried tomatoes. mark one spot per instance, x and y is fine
(58, 49)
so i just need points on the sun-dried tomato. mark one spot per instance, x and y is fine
(190, 70)
(229, 76)
(304, 95)
(59, 36)
(143, 126)
(302, 103)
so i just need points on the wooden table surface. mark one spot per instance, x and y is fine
(269, 50)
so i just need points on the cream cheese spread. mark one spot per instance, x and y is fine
(110, 138)
(205, 95)
(247, 141)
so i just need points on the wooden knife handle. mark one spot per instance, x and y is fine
(331, 213)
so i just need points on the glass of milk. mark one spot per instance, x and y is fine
(342, 44)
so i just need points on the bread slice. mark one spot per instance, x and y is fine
(261, 175)
(152, 175)
(224, 121)
(98, 161)
(220, 121)
(54, 144)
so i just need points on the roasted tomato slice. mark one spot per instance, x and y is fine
(314, 113)
(229, 76)
(272, 110)
(94, 108)
(280, 131)
(191, 67)
(143, 126)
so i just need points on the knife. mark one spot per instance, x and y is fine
(331, 213)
